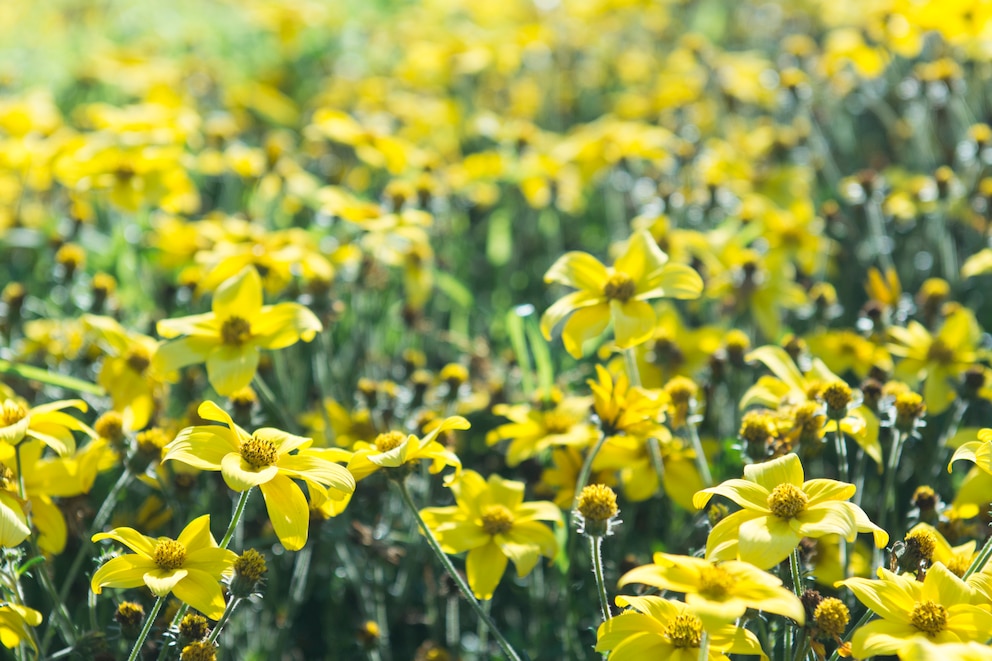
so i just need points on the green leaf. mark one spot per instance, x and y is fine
(454, 289)
(515, 331)
(51, 378)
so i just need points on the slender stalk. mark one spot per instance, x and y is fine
(239, 509)
(844, 474)
(228, 612)
(596, 550)
(701, 463)
(455, 576)
(149, 621)
(630, 363)
(704, 646)
(888, 493)
(980, 560)
(797, 576)
(482, 630)
(586, 470)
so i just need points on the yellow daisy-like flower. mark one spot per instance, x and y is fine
(619, 293)
(533, 429)
(940, 609)
(718, 593)
(47, 423)
(656, 628)
(14, 623)
(780, 508)
(394, 449)
(190, 566)
(494, 525)
(269, 459)
(229, 338)
(977, 452)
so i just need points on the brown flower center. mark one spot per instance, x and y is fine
(787, 501)
(169, 554)
(259, 451)
(929, 617)
(940, 352)
(557, 422)
(685, 631)
(138, 359)
(619, 287)
(235, 331)
(715, 582)
(496, 519)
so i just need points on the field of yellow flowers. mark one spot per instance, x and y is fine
(532, 329)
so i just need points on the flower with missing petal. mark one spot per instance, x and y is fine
(47, 423)
(620, 293)
(394, 449)
(14, 623)
(229, 338)
(656, 628)
(190, 566)
(493, 523)
(939, 609)
(268, 458)
(780, 509)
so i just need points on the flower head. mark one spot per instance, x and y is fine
(395, 449)
(493, 523)
(190, 566)
(268, 458)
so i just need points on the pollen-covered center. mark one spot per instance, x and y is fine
(496, 519)
(557, 422)
(715, 582)
(685, 631)
(11, 412)
(939, 352)
(389, 440)
(598, 502)
(787, 501)
(619, 287)
(138, 358)
(929, 617)
(169, 554)
(235, 331)
(259, 451)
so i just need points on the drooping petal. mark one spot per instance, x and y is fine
(580, 270)
(745, 493)
(633, 322)
(162, 581)
(200, 325)
(50, 524)
(288, 511)
(231, 368)
(213, 560)
(125, 571)
(485, 566)
(284, 324)
(241, 476)
(318, 470)
(825, 520)
(766, 541)
(583, 325)
(130, 538)
(563, 306)
(821, 490)
(201, 591)
(673, 281)
(13, 523)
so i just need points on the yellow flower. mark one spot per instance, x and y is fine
(631, 456)
(780, 508)
(190, 566)
(718, 593)
(921, 649)
(229, 337)
(269, 459)
(623, 409)
(494, 525)
(955, 558)
(14, 623)
(394, 449)
(619, 293)
(561, 476)
(656, 628)
(940, 609)
(533, 429)
(46, 423)
(978, 452)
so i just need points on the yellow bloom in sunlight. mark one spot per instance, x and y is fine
(269, 459)
(656, 628)
(921, 649)
(939, 358)
(955, 558)
(394, 449)
(494, 525)
(532, 429)
(624, 409)
(619, 293)
(718, 593)
(780, 508)
(190, 566)
(14, 623)
(47, 423)
(978, 452)
(229, 337)
(561, 476)
(631, 457)
(940, 609)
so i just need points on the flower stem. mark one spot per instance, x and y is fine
(704, 646)
(697, 446)
(149, 621)
(596, 550)
(231, 605)
(797, 576)
(843, 468)
(630, 363)
(888, 492)
(239, 509)
(980, 560)
(587, 469)
(455, 576)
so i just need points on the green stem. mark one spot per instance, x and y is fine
(455, 576)
(149, 621)
(888, 492)
(482, 630)
(844, 473)
(979, 562)
(235, 518)
(596, 550)
(272, 404)
(654, 449)
(704, 646)
(797, 576)
(630, 363)
(231, 605)
(587, 469)
(701, 462)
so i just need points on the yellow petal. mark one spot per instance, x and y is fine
(202, 591)
(786, 469)
(284, 324)
(766, 541)
(13, 523)
(162, 581)
(641, 258)
(580, 270)
(130, 538)
(484, 567)
(288, 511)
(126, 571)
(232, 368)
(633, 322)
(239, 296)
(241, 476)
(196, 535)
(583, 325)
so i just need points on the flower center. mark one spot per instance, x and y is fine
(928, 617)
(832, 616)
(940, 352)
(235, 331)
(496, 519)
(259, 451)
(557, 422)
(598, 502)
(11, 412)
(715, 582)
(389, 440)
(169, 554)
(620, 287)
(685, 631)
(7, 477)
(958, 564)
(138, 359)
(787, 501)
